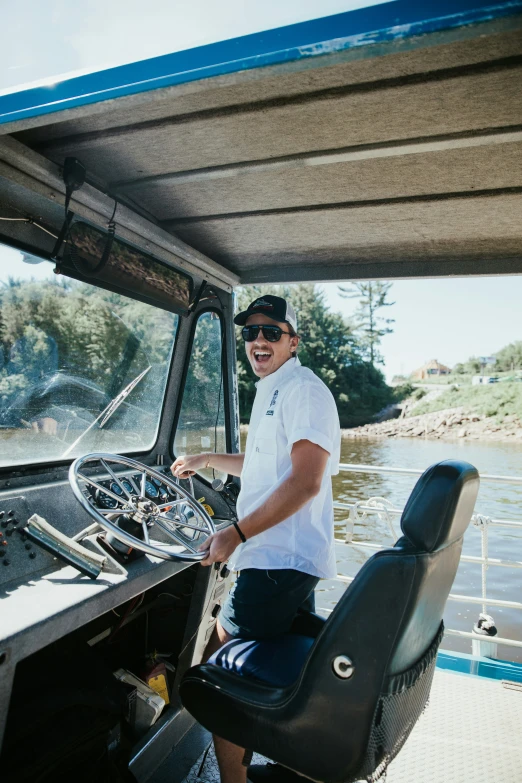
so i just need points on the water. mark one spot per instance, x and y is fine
(496, 500)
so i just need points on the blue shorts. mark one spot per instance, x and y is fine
(264, 603)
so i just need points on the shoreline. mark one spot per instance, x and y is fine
(449, 424)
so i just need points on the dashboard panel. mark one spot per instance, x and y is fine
(21, 559)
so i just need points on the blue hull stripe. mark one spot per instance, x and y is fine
(391, 21)
(493, 669)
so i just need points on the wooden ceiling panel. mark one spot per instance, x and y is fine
(379, 174)
(485, 100)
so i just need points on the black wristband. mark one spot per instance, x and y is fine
(239, 532)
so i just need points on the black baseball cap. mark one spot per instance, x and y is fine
(274, 306)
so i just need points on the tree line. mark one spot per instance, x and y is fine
(508, 359)
(62, 325)
(342, 352)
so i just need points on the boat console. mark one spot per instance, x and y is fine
(137, 607)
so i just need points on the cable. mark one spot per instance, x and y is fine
(31, 222)
(142, 596)
(132, 606)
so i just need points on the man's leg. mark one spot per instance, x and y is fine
(217, 640)
(229, 756)
(261, 604)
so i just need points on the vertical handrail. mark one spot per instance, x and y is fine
(482, 523)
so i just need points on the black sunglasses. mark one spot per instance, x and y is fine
(270, 333)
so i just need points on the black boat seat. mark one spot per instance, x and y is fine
(277, 661)
(366, 676)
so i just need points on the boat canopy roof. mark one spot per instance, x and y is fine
(384, 142)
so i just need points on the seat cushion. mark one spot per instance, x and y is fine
(276, 661)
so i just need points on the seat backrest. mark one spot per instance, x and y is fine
(433, 522)
(388, 621)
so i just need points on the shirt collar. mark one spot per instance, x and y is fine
(276, 377)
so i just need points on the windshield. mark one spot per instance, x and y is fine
(81, 369)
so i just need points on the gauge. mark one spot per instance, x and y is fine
(115, 487)
(105, 501)
(162, 488)
(151, 490)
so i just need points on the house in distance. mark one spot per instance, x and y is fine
(430, 369)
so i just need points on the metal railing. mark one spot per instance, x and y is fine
(381, 507)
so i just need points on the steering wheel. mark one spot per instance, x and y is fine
(182, 519)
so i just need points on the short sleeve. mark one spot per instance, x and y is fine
(310, 413)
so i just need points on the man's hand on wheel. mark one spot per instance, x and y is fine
(186, 466)
(220, 546)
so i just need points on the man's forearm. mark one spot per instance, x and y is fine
(286, 500)
(226, 463)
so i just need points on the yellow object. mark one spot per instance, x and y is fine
(208, 509)
(159, 684)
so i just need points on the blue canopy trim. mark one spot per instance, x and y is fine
(387, 22)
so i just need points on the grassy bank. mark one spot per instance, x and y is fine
(496, 400)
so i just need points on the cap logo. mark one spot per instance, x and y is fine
(262, 303)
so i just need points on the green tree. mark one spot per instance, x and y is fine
(329, 347)
(373, 296)
(76, 328)
(458, 369)
(471, 367)
(509, 358)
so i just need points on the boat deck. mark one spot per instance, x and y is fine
(471, 730)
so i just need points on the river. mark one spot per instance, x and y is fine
(496, 500)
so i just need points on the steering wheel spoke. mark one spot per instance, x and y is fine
(145, 527)
(100, 488)
(170, 504)
(175, 536)
(116, 479)
(180, 523)
(142, 508)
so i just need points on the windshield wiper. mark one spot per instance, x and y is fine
(111, 408)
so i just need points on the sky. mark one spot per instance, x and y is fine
(97, 34)
(447, 319)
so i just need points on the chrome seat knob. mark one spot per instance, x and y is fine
(343, 667)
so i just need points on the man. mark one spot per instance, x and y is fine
(283, 541)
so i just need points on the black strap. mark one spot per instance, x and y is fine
(239, 532)
(198, 296)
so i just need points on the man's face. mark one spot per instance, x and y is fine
(265, 357)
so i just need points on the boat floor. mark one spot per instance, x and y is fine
(471, 730)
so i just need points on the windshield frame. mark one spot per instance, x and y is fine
(30, 469)
(227, 407)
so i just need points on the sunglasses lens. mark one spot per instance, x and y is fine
(249, 333)
(270, 333)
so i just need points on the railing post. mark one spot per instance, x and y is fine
(485, 625)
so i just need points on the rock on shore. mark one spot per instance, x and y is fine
(449, 424)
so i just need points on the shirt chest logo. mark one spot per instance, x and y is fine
(270, 411)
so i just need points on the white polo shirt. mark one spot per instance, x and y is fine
(291, 404)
